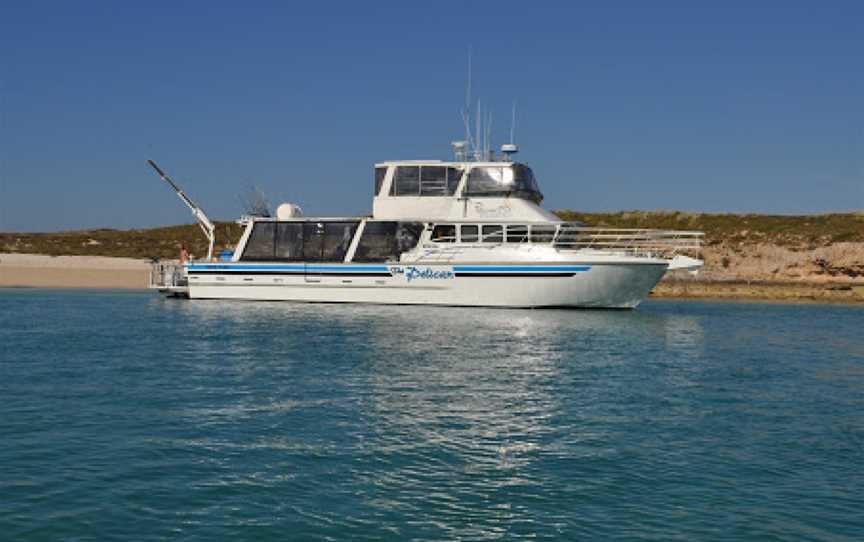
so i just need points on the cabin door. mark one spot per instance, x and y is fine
(313, 250)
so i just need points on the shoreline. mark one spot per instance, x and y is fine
(86, 272)
(847, 293)
(23, 271)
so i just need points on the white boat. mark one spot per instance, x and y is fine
(465, 232)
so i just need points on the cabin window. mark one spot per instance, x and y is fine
(261, 242)
(503, 181)
(289, 241)
(517, 234)
(327, 241)
(380, 173)
(299, 241)
(454, 175)
(337, 239)
(468, 234)
(433, 181)
(493, 234)
(406, 181)
(542, 234)
(425, 181)
(313, 240)
(444, 233)
(385, 241)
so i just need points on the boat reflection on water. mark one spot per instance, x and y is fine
(444, 410)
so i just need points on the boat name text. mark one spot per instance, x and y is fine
(411, 273)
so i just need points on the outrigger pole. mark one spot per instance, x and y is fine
(206, 226)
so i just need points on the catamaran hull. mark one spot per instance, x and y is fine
(571, 285)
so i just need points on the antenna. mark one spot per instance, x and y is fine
(465, 149)
(487, 151)
(511, 148)
(478, 133)
(468, 91)
(477, 145)
(513, 125)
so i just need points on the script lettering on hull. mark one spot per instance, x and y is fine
(412, 273)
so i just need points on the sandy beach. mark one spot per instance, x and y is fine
(40, 271)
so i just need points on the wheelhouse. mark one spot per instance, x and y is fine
(443, 179)
(437, 190)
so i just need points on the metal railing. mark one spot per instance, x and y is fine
(167, 276)
(575, 237)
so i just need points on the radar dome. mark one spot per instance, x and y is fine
(288, 210)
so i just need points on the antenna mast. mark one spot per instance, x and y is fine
(478, 130)
(513, 125)
(463, 149)
(487, 152)
(511, 148)
(468, 96)
(477, 145)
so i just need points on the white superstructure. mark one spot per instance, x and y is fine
(465, 232)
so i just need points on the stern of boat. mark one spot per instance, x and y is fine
(169, 278)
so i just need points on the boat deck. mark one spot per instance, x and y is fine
(169, 279)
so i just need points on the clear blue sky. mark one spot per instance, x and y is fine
(722, 106)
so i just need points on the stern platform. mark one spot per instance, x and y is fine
(170, 279)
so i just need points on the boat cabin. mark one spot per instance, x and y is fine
(370, 240)
(436, 190)
(429, 203)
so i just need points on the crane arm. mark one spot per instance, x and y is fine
(203, 221)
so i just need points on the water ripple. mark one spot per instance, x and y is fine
(130, 416)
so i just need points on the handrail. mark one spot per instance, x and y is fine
(634, 240)
(575, 236)
(164, 276)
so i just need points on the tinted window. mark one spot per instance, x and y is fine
(517, 234)
(493, 234)
(300, 241)
(487, 180)
(380, 173)
(542, 234)
(524, 178)
(261, 242)
(313, 240)
(444, 233)
(385, 241)
(491, 181)
(406, 181)
(289, 241)
(433, 181)
(337, 240)
(454, 175)
(407, 235)
(468, 234)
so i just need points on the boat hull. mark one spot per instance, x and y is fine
(604, 285)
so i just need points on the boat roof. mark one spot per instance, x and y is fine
(498, 163)
(429, 220)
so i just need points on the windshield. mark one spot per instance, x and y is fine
(514, 180)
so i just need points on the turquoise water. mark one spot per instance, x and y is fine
(125, 415)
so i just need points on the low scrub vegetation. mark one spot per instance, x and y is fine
(806, 231)
(792, 232)
(145, 243)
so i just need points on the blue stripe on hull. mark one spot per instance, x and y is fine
(300, 267)
(521, 268)
(353, 268)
